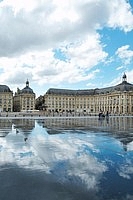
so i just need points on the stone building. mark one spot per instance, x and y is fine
(24, 100)
(40, 103)
(6, 99)
(116, 100)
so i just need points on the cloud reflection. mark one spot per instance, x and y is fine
(81, 158)
(67, 158)
(13, 150)
(126, 169)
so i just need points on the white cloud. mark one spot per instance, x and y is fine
(120, 67)
(43, 67)
(20, 4)
(47, 23)
(30, 31)
(130, 76)
(125, 54)
(87, 53)
(121, 15)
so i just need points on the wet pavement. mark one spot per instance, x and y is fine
(66, 159)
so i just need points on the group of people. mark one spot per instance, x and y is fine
(102, 115)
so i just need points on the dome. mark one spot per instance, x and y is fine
(4, 88)
(27, 89)
(124, 86)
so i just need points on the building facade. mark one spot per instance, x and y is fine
(6, 99)
(40, 103)
(24, 100)
(116, 100)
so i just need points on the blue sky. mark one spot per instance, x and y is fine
(71, 44)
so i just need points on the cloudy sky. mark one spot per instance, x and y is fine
(74, 44)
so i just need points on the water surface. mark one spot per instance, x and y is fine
(66, 159)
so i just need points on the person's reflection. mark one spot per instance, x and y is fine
(25, 139)
(107, 119)
(125, 147)
(17, 131)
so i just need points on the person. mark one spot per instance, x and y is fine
(101, 114)
(107, 114)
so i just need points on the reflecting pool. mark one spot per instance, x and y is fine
(66, 159)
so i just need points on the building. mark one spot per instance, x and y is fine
(6, 99)
(24, 100)
(40, 103)
(116, 100)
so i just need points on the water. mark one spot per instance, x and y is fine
(66, 159)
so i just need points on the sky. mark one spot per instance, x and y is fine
(70, 44)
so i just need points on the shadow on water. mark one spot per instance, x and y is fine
(69, 159)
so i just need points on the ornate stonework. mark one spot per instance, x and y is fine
(116, 100)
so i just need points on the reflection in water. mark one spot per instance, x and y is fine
(119, 127)
(112, 124)
(67, 159)
(24, 126)
(5, 127)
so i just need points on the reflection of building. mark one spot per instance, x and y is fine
(5, 127)
(24, 125)
(118, 125)
(6, 98)
(24, 100)
(121, 128)
(116, 100)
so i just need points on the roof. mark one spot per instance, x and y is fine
(122, 87)
(4, 88)
(27, 90)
